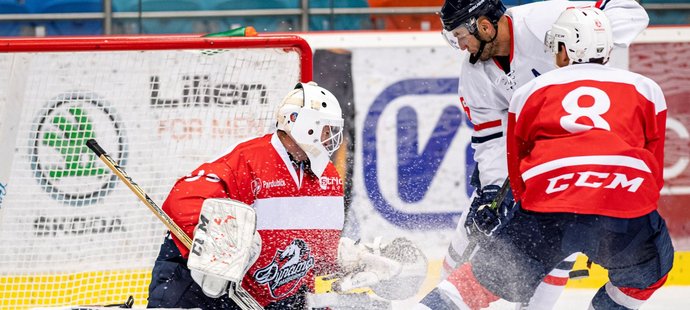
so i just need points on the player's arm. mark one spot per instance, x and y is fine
(183, 204)
(516, 144)
(656, 129)
(225, 242)
(512, 145)
(490, 152)
(628, 19)
(658, 145)
(487, 111)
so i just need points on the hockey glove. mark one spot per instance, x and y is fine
(484, 217)
(381, 267)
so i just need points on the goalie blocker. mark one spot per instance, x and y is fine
(225, 245)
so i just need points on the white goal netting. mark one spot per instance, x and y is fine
(70, 232)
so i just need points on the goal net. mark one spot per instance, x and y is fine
(70, 232)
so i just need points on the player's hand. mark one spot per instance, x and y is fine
(485, 218)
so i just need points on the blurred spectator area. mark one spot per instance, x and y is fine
(667, 12)
(137, 24)
(11, 27)
(93, 17)
(67, 26)
(406, 21)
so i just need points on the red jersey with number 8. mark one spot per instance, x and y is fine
(587, 139)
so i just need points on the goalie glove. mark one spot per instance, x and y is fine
(381, 268)
(225, 245)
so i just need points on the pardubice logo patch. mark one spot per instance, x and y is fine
(256, 186)
(287, 269)
(60, 159)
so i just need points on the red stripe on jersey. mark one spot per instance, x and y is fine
(645, 293)
(490, 124)
(598, 4)
(558, 281)
(465, 107)
(512, 42)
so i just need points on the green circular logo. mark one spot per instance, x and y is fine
(60, 159)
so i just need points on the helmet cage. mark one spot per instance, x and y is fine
(332, 137)
(314, 121)
(451, 39)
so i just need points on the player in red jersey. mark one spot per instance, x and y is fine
(585, 161)
(296, 192)
(506, 52)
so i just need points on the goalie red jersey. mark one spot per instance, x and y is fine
(588, 144)
(299, 216)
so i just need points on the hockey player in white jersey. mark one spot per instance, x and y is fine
(506, 51)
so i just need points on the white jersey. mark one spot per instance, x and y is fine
(486, 89)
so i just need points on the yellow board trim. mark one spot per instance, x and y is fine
(82, 288)
(679, 275)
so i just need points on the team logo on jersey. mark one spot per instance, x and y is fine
(256, 186)
(61, 162)
(289, 266)
(593, 179)
(325, 182)
(506, 82)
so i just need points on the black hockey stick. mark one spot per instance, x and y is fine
(498, 200)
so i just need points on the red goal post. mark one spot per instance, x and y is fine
(70, 232)
(160, 42)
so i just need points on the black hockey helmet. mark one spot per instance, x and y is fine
(455, 13)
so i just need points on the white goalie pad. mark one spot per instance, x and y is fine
(225, 242)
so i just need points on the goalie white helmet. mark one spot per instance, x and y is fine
(311, 115)
(585, 32)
